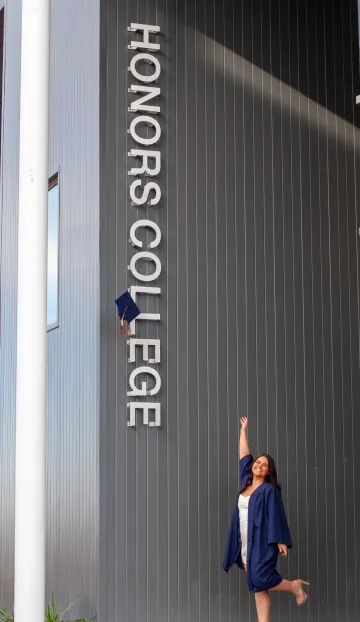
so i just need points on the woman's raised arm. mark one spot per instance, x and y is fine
(243, 442)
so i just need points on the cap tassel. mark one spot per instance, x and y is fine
(123, 323)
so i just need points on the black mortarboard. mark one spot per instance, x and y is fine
(127, 310)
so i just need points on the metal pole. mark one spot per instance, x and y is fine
(31, 317)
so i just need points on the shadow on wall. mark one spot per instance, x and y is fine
(275, 203)
(274, 92)
(295, 42)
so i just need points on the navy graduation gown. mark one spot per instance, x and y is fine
(267, 527)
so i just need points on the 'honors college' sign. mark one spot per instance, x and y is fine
(145, 165)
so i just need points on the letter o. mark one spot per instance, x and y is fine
(145, 223)
(149, 121)
(145, 277)
(151, 59)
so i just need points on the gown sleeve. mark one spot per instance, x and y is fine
(279, 532)
(245, 468)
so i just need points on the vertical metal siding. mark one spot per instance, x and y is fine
(8, 228)
(259, 305)
(73, 348)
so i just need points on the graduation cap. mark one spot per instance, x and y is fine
(127, 310)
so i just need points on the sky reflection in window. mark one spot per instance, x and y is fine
(53, 258)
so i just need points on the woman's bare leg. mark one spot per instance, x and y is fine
(284, 586)
(262, 600)
(295, 587)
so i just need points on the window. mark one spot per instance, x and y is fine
(53, 254)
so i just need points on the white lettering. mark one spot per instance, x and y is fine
(145, 68)
(138, 104)
(149, 257)
(148, 121)
(141, 289)
(145, 344)
(145, 223)
(149, 58)
(141, 200)
(146, 156)
(136, 392)
(145, 407)
(145, 43)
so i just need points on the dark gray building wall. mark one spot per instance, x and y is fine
(73, 348)
(259, 304)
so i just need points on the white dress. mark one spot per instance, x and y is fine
(243, 505)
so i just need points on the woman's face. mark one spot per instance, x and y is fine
(261, 467)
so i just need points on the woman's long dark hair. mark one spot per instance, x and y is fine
(271, 476)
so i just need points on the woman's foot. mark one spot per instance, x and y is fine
(298, 591)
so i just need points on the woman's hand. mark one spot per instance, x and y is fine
(244, 423)
(283, 550)
(243, 443)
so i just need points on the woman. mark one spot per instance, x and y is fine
(259, 530)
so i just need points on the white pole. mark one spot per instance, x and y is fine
(31, 318)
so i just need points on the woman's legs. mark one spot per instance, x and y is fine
(295, 587)
(262, 600)
(284, 586)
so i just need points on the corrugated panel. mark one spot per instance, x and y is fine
(8, 211)
(259, 305)
(72, 405)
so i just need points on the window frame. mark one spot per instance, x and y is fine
(54, 181)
